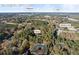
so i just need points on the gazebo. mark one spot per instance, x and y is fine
(39, 49)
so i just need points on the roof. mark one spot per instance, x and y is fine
(37, 31)
(65, 25)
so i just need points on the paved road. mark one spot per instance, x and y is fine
(40, 20)
(76, 20)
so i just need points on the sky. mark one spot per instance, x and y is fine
(39, 7)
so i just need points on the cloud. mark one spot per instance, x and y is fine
(42, 8)
(70, 8)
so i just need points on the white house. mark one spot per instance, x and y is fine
(59, 31)
(65, 25)
(37, 31)
(71, 28)
(68, 26)
(62, 27)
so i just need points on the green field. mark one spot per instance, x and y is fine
(9, 26)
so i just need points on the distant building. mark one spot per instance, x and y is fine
(47, 16)
(4, 21)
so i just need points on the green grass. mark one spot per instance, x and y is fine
(3, 26)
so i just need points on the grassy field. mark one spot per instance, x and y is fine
(9, 26)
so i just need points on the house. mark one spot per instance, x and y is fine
(65, 25)
(71, 28)
(36, 31)
(77, 30)
(59, 31)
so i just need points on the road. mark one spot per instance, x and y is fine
(40, 20)
(75, 20)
